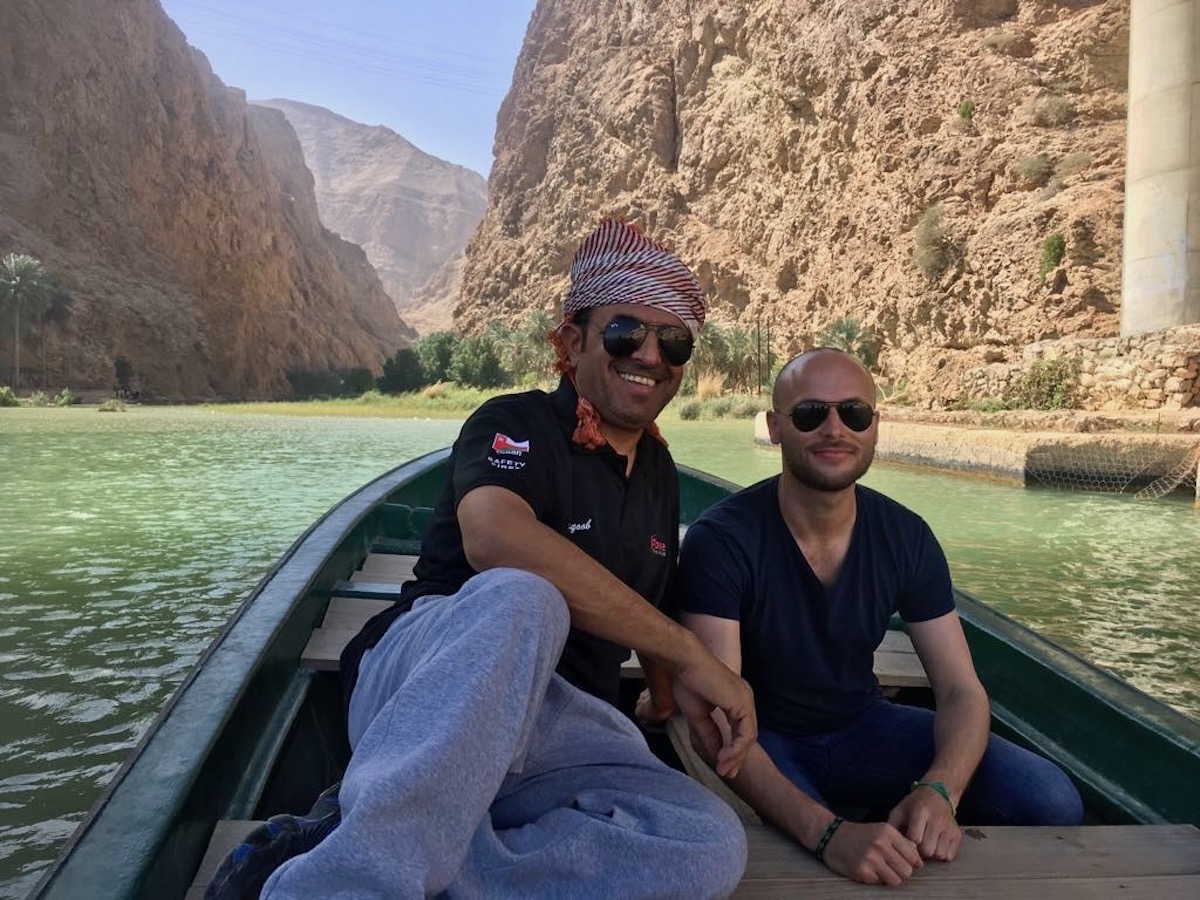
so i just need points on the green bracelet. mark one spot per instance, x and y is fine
(940, 788)
(826, 837)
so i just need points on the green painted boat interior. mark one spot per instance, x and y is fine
(251, 733)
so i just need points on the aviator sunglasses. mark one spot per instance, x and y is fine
(623, 335)
(809, 415)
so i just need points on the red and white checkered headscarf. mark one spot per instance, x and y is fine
(616, 263)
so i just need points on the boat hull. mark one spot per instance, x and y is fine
(251, 732)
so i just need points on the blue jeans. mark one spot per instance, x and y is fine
(872, 763)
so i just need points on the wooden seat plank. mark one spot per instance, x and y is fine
(1134, 862)
(834, 887)
(388, 567)
(899, 670)
(998, 852)
(345, 613)
(354, 603)
(324, 648)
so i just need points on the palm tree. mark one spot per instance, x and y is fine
(846, 334)
(25, 284)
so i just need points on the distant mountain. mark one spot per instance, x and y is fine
(181, 222)
(411, 212)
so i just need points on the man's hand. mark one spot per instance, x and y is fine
(873, 853)
(925, 818)
(710, 685)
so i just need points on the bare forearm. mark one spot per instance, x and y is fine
(775, 798)
(960, 735)
(658, 681)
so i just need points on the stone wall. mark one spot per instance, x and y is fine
(1156, 370)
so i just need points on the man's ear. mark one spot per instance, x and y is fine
(774, 423)
(574, 339)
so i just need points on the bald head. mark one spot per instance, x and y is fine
(804, 373)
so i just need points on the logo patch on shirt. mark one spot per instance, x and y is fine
(579, 526)
(658, 546)
(502, 443)
(509, 453)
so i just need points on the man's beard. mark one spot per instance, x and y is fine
(799, 468)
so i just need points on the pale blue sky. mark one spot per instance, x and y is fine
(434, 71)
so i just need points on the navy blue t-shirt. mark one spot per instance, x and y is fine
(808, 650)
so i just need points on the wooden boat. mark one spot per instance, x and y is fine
(256, 728)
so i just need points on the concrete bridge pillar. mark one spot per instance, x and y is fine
(1161, 266)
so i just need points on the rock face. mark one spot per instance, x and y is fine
(900, 162)
(411, 212)
(182, 223)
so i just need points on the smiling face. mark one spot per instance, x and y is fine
(831, 457)
(628, 392)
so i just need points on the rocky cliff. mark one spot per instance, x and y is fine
(411, 212)
(899, 162)
(182, 223)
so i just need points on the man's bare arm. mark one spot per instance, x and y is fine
(872, 853)
(961, 724)
(602, 605)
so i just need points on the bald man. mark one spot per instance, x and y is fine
(792, 582)
(488, 759)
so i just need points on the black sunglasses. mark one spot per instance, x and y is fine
(623, 335)
(809, 415)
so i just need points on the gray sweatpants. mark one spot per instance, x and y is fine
(479, 772)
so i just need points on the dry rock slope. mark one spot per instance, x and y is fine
(894, 161)
(182, 223)
(411, 212)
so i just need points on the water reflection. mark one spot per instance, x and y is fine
(126, 540)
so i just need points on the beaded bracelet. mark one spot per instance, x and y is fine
(940, 788)
(826, 837)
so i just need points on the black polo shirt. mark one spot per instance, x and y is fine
(522, 442)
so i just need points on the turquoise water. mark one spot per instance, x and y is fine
(127, 539)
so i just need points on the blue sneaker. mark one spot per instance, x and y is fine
(245, 870)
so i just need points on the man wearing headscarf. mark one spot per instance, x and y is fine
(488, 757)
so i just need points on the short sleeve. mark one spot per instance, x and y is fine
(504, 445)
(714, 574)
(928, 594)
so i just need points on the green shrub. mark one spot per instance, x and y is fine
(7, 397)
(373, 396)
(1047, 384)
(357, 381)
(689, 410)
(1053, 249)
(1053, 110)
(719, 407)
(64, 398)
(847, 334)
(37, 398)
(745, 409)
(1035, 169)
(111, 405)
(966, 110)
(895, 392)
(435, 352)
(932, 253)
(476, 363)
(402, 373)
(1072, 164)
